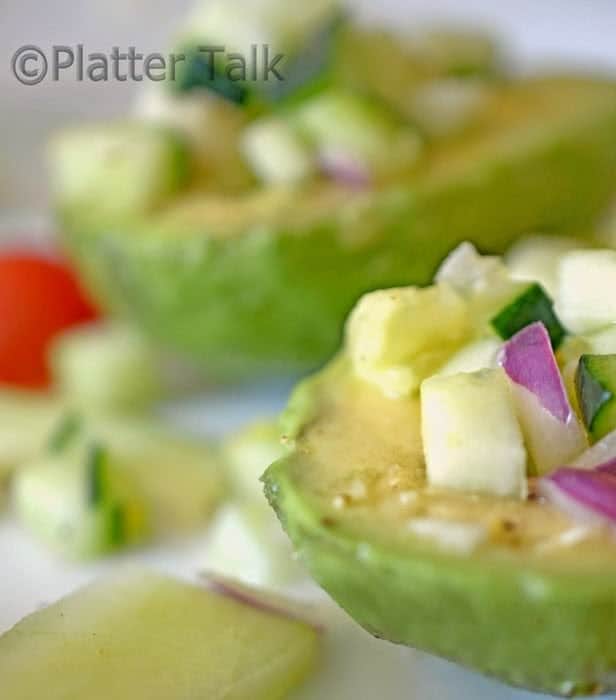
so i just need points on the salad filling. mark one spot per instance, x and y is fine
(455, 471)
(493, 426)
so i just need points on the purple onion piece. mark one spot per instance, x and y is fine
(591, 490)
(261, 600)
(528, 359)
(344, 168)
(608, 467)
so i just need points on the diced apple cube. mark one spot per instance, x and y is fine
(587, 290)
(471, 437)
(398, 337)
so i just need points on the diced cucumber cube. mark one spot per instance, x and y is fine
(247, 455)
(529, 305)
(106, 367)
(587, 290)
(481, 354)
(397, 337)
(346, 125)
(537, 259)
(602, 342)
(443, 107)
(142, 635)
(311, 67)
(595, 383)
(64, 433)
(211, 126)
(471, 273)
(305, 35)
(277, 153)
(483, 281)
(109, 482)
(471, 437)
(238, 24)
(507, 305)
(182, 479)
(26, 422)
(81, 502)
(247, 543)
(200, 72)
(123, 168)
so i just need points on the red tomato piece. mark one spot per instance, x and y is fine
(39, 298)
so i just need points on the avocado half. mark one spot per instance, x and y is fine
(261, 281)
(518, 607)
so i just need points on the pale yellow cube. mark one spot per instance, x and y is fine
(397, 337)
(587, 290)
(471, 437)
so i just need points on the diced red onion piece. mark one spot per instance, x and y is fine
(344, 168)
(528, 359)
(588, 496)
(566, 504)
(608, 467)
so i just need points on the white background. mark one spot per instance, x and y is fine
(575, 32)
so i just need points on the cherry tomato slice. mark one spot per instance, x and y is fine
(39, 298)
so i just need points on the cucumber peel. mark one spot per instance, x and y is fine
(106, 483)
(80, 500)
(595, 383)
(65, 431)
(531, 305)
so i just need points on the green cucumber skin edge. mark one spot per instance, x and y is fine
(530, 627)
(596, 400)
(95, 475)
(532, 305)
(64, 433)
(260, 305)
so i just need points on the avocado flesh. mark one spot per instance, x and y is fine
(520, 607)
(262, 281)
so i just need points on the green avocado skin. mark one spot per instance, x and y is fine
(273, 298)
(528, 626)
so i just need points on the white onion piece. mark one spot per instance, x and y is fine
(469, 272)
(549, 442)
(600, 453)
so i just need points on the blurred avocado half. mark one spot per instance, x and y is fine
(237, 221)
